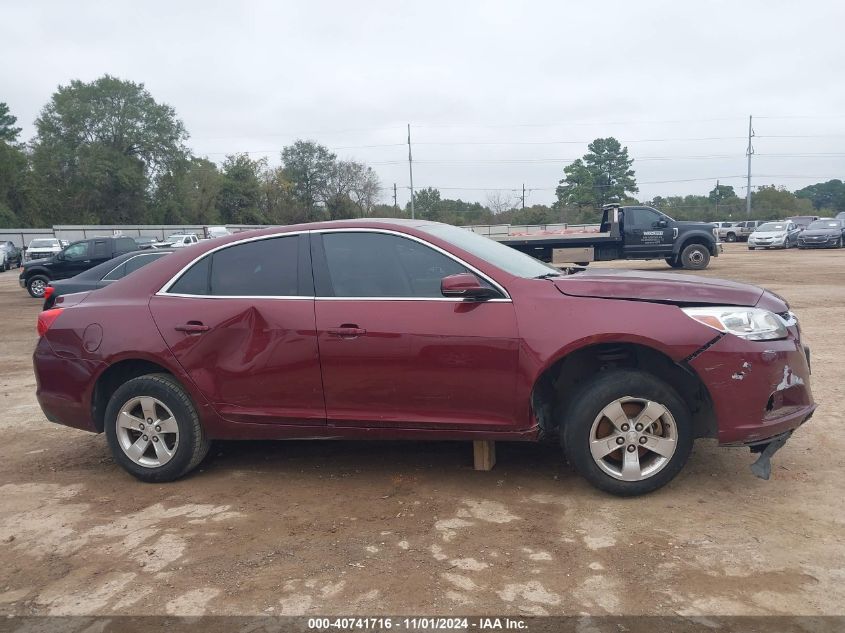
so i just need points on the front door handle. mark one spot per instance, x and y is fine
(193, 327)
(347, 331)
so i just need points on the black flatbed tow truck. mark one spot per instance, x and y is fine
(629, 232)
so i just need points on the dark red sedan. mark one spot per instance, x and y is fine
(418, 330)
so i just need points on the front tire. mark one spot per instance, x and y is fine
(673, 262)
(627, 432)
(730, 237)
(695, 257)
(35, 285)
(153, 429)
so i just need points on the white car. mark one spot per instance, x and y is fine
(774, 235)
(43, 247)
(217, 231)
(178, 240)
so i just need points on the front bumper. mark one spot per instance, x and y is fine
(766, 244)
(816, 244)
(759, 389)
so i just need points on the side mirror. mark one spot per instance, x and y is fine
(662, 224)
(465, 286)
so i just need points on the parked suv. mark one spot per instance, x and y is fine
(420, 330)
(72, 260)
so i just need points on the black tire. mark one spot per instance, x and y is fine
(6, 265)
(193, 443)
(673, 262)
(695, 257)
(839, 243)
(35, 294)
(730, 237)
(584, 409)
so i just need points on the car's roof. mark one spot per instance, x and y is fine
(101, 270)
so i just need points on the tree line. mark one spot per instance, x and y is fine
(106, 152)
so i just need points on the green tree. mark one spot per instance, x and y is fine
(240, 196)
(309, 167)
(426, 204)
(187, 193)
(825, 195)
(602, 176)
(99, 147)
(577, 187)
(8, 131)
(721, 193)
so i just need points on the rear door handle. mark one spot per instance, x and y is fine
(347, 331)
(193, 327)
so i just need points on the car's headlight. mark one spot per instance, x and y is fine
(753, 324)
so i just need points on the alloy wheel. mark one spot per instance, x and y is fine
(633, 439)
(147, 431)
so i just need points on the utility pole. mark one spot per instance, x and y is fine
(523, 196)
(395, 203)
(749, 152)
(411, 170)
(718, 195)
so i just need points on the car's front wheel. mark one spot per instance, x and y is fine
(730, 237)
(35, 285)
(674, 262)
(627, 432)
(153, 429)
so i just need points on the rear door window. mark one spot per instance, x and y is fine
(262, 268)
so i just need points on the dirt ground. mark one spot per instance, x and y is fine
(409, 528)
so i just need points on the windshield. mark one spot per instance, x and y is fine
(771, 226)
(43, 243)
(501, 256)
(825, 224)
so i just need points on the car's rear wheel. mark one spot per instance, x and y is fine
(153, 429)
(695, 257)
(627, 432)
(35, 285)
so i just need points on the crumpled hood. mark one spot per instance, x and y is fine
(662, 288)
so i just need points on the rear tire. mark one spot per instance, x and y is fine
(153, 429)
(633, 468)
(695, 257)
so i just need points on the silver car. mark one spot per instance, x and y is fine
(774, 235)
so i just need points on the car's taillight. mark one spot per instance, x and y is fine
(46, 318)
(48, 292)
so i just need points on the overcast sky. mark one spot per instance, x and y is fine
(497, 93)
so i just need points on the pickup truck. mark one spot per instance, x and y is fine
(739, 231)
(630, 232)
(10, 255)
(72, 260)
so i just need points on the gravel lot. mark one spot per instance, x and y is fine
(402, 528)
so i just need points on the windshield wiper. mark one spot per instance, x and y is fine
(548, 275)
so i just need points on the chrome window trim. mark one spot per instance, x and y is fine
(455, 258)
(163, 291)
(104, 277)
